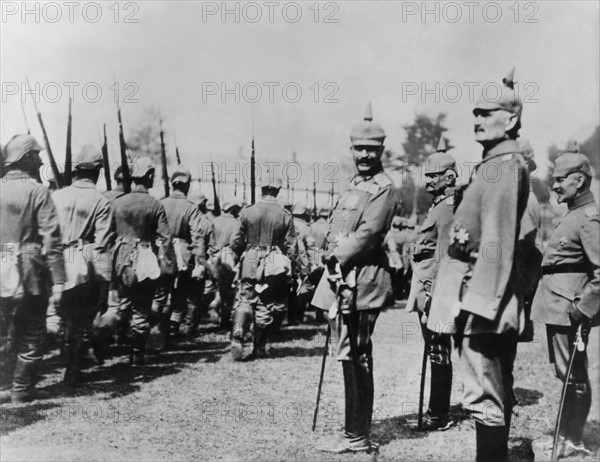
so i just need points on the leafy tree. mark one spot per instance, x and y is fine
(422, 138)
(144, 139)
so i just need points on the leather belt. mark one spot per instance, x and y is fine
(568, 268)
(418, 257)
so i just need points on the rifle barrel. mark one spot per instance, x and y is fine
(53, 165)
(105, 162)
(69, 153)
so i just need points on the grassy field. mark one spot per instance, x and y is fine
(194, 403)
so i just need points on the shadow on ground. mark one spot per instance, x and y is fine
(527, 397)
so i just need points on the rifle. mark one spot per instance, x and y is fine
(217, 205)
(25, 118)
(105, 163)
(124, 160)
(53, 166)
(235, 184)
(252, 174)
(163, 156)
(176, 149)
(315, 199)
(68, 153)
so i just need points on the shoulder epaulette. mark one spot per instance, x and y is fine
(591, 211)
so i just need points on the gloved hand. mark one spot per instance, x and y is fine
(576, 316)
(57, 290)
(332, 264)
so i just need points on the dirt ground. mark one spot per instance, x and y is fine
(194, 403)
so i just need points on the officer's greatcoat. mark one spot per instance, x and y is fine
(479, 280)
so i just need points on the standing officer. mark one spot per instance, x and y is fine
(225, 226)
(569, 293)
(355, 253)
(29, 225)
(267, 240)
(430, 250)
(183, 287)
(88, 234)
(476, 294)
(142, 227)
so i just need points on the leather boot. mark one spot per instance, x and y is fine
(439, 397)
(358, 387)
(72, 376)
(578, 402)
(242, 335)
(261, 337)
(138, 342)
(277, 321)
(492, 443)
(23, 389)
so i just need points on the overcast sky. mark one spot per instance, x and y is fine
(177, 55)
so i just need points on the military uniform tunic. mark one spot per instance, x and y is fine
(86, 220)
(263, 226)
(476, 294)
(184, 220)
(358, 224)
(431, 248)
(29, 225)
(225, 226)
(140, 217)
(571, 268)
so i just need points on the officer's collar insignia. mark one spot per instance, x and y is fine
(590, 211)
(450, 200)
(563, 241)
(459, 235)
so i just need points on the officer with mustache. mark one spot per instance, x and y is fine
(569, 293)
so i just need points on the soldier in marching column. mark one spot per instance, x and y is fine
(141, 228)
(183, 287)
(266, 244)
(225, 226)
(357, 278)
(568, 296)
(32, 264)
(88, 233)
(431, 248)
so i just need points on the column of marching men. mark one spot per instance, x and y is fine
(87, 267)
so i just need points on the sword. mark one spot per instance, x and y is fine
(578, 345)
(327, 338)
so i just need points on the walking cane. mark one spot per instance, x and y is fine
(321, 376)
(423, 370)
(578, 345)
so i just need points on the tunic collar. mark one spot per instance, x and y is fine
(504, 147)
(360, 178)
(84, 183)
(585, 199)
(139, 188)
(18, 175)
(177, 195)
